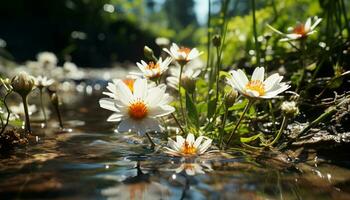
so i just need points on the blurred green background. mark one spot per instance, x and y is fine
(97, 33)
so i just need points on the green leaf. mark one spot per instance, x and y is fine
(311, 67)
(192, 111)
(252, 138)
(238, 105)
(225, 74)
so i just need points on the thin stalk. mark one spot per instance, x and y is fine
(337, 15)
(345, 16)
(249, 104)
(217, 72)
(26, 112)
(150, 140)
(208, 37)
(59, 116)
(42, 105)
(222, 131)
(255, 34)
(8, 113)
(283, 126)
(2, 121)
(180, 95)
(319, 119)
(178, 123)
(272, 115)
(302, 63)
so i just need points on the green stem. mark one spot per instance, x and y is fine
(345, 16)
(302, 63)
(223, 128)
(178, 123)
(249, 104)
(283, 126)
(8, 113)
(208, 37)
(150, 140)
(321, 118)
(59, 116)
(217, 73)
(255, 34)
(26, 112)
(180, 95)
(42, 105)
(272, 115)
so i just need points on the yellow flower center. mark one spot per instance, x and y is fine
(151, 65)
(184, 50)
(129, 83)
(256, 85)
(300, 29)
(138, 110)
(188, 149)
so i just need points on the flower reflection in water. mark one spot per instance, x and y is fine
(186, 171)
(137, 187)
(194, 168)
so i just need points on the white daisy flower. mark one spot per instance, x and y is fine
(137, 110)
(173, 79)
(154, 70)
(183, 54)
(43, 81)
(301, 30)
(47, 58)
(189, 146)
(257, 87)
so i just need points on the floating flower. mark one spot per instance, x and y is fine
(257, 87)
(301, 30)
(189, 146)
(182, 54)
(154, 70)
(138, 109)
(43, 81)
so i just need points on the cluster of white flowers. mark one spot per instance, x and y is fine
(139, 100)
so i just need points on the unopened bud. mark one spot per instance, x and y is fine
(290, 108)
(230, 98)
(23, 83)
(148, 52)
(189, 84)
(54, 99)
(216, 40)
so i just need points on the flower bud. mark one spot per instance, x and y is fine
(54, 99)
(148, 52)
(290, 108)
(216, 40)
(230, 98)
(23, 83)
(189, 84)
